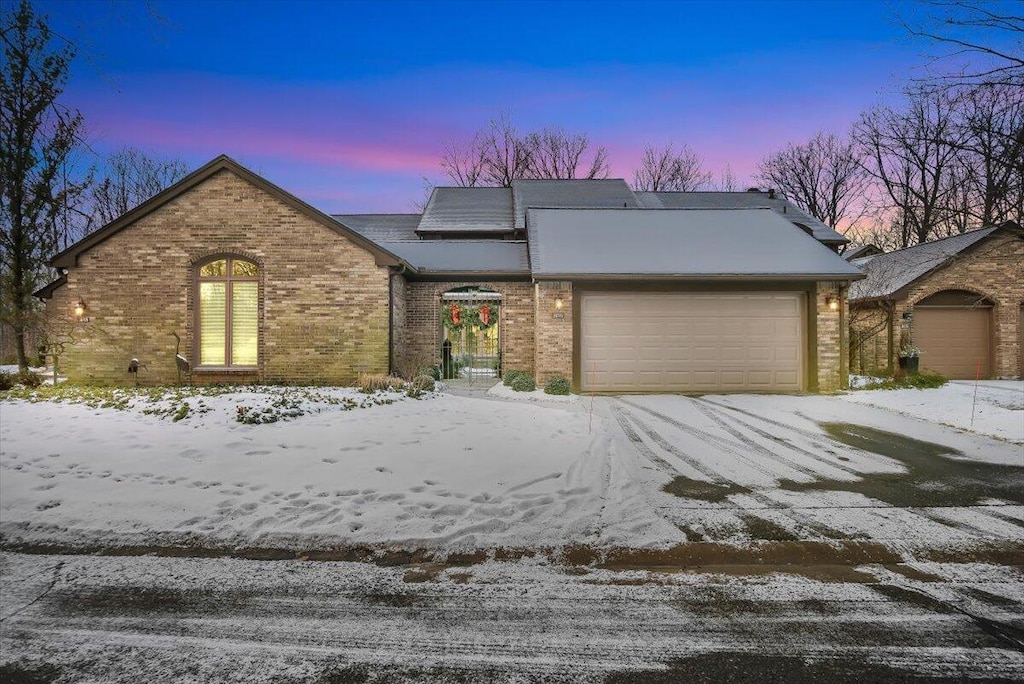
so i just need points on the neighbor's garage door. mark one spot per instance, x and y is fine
(662, 342)
(954, 339)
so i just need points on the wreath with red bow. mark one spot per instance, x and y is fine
(457, 316)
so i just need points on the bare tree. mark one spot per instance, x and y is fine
(911, 153)
(727, 181)
(991, 154)
(499, 155)
(38, 140)
(495, 156)
(669, 169)
(968, 32)
(465, 165)
(824, 177)
(132, 178)
(557, 153)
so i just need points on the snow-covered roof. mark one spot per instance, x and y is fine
(382, 227)
(468, 210)
(890, 272)
(609, 193)
(740, 200)
(680, 243)
(464, 256)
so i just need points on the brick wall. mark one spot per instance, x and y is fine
(830, 348)
(323, 301)
(994, 269)
(423, 322)
(554, 330)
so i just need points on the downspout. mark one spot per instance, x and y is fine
(399, 270)
(844, 340)
(890, 314)
(391, 321)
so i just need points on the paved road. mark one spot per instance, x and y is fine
(147, 619)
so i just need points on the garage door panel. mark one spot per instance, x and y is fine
(954, 340)
(691, 341)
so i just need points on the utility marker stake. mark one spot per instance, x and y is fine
(977, 376)
(593, 376)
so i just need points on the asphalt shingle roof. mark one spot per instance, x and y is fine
(611, 193)
(889, 272)
(382, 227)
(739, 200)
(682, 243)
(463, 256)
(468, 210)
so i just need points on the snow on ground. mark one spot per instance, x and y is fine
(745, 468)
(46, 373)
(117, 619)
(445, 471)
(459, 472)
(998, 411)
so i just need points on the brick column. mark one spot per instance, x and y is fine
(554, 336)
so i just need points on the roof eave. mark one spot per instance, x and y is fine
(474, 274)
(46, 291)
(741, 277)
(428, 275)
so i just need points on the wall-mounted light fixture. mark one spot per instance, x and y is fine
(559, 303)
(832, 302)
(80, 308)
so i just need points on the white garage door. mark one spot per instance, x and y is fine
(691, 342)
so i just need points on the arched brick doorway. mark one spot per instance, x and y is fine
(471, 329)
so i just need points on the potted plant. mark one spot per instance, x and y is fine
(910, 357)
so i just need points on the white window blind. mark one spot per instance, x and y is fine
(244, 323)
(212, 323)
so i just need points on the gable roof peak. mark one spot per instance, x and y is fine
(222, 162)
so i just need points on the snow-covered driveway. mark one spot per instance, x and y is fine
(787, 468)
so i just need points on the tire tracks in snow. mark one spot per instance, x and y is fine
(820, 529)
(718, 417)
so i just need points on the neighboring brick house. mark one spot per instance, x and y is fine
(616, 290)
(958, 299)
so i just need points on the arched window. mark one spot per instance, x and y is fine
(228, 317)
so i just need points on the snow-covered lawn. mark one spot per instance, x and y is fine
(440, 471)
(997, 407)
(341, 469)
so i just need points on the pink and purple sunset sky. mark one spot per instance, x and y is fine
(348, 105)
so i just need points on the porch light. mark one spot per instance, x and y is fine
(80, 308)
(832, 302)
(559, 303)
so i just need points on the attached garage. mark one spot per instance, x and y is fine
(953, 329)
(681, 300)
(692, 342)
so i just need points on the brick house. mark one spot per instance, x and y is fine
(959, 300)
(615, 289)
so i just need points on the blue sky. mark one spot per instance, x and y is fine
(348, 105)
